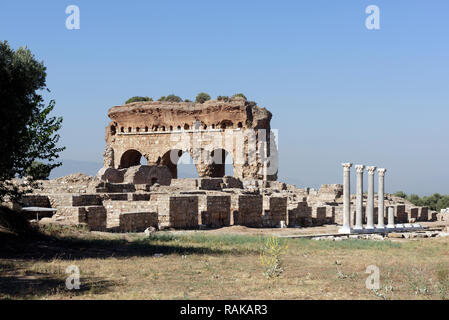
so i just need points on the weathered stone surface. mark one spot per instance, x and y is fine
(109, 174)
(162, 131)
(147, 175)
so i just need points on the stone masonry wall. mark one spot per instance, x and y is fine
(217, 211)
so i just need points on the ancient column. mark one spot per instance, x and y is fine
(370, 204)
(380, 199)
(346, 228)
(390, 218)
(359, 201)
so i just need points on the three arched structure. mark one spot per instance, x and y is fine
(162, 132)
(208, 163)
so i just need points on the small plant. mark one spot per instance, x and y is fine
(138, 99)
(239, 95)
(386, 290)
(341, 275)
(202, 97)
(172, 98)
(418, 284)
(270, 257)
(442, 285)
(223, 98)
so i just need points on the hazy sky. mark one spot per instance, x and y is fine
(338, 91)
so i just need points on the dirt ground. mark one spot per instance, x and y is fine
(219, 264)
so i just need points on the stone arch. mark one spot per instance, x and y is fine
(226, 124)
(130, 158)
(171, 159)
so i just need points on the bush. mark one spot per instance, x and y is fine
(241, 95)
(202, 97)
(434, 202)
(172, 98)
(138, 99)
(223, 98)
(270, 257)
(400, 194)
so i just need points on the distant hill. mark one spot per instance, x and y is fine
(75, 166)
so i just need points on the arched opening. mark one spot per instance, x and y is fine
(179, 127)
(113, 130)
(180, 164)
(171, 128)
(146, 128)
(137, 129)
(186, 126)
(163, 128)
(129, 129)
(143, 161)
(240, 125)
(122, 129)
(222, 164)
(226, 124)
(132, 158)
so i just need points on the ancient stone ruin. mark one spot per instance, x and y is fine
(126, 196)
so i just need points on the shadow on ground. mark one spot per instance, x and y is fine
(17, 284)
(43, 247)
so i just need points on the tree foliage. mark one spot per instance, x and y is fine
(27, 130)
(434, 202)
(202, 97)
(38, 171)
(170, 98)
(138, 99)
(241, 95)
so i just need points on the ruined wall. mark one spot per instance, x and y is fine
(137, 221)
(249, 211)
(276, 211)
(216, 211)
(176, 211)
(163, 131)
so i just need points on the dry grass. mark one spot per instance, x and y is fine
(219, 266)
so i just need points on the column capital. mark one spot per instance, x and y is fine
(360, 168)
(371, 169)
(346, 166)
(381, 171)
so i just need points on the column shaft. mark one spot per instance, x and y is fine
(359, 201)
(346, 228)
(380, 199)
(370, 202)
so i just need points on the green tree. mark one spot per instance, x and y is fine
(138, 99)
(172, 98)
(202, 97)
(223, 98)
(27, 130)
(400, 194)
(241, 95)
(38, 171)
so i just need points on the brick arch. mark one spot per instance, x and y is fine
(171, 157)
(129, 158)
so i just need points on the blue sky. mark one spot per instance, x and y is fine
(338, 91)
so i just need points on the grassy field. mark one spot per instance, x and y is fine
(204, 265)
